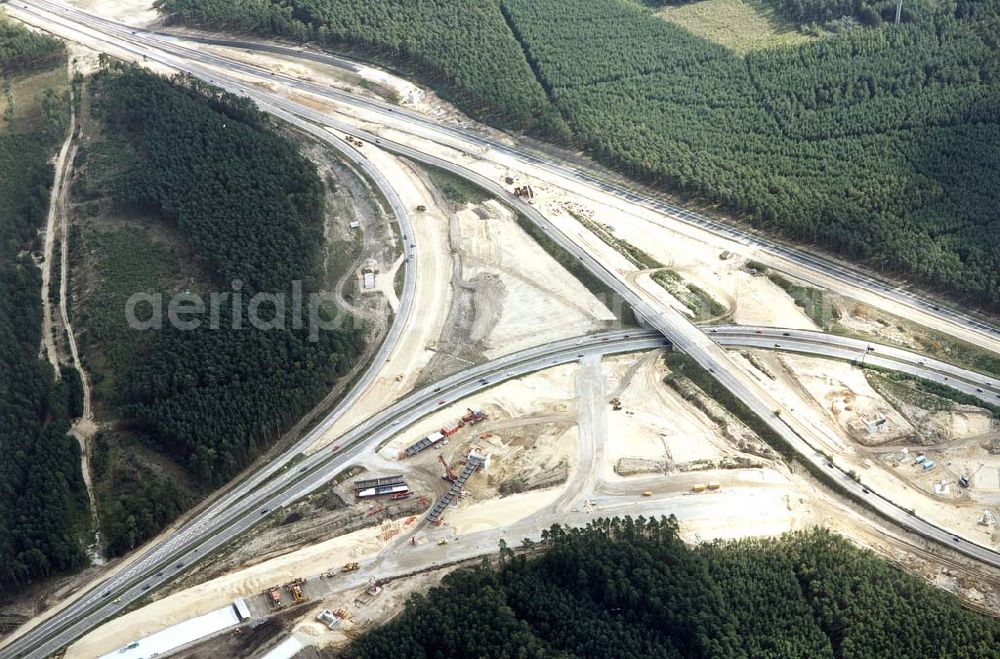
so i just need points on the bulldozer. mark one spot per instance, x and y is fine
(349, 567)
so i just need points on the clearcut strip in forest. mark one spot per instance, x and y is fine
(873, 144)
(877, 144)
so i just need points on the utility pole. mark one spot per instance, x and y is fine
(899, 10)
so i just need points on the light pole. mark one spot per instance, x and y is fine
(899, 10)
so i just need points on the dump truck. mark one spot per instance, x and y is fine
(349, 567)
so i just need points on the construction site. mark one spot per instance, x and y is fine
(580, 432)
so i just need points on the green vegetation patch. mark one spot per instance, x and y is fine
(681, 365)
(636, 256)
(740, 25)
(925, 394)
(43, 503)
(138, 492)
(457, 190)
(205, 162)
(702, 305)
(632, 588)
(35, 103)
(463, 47)
(123, 261)
(815, 302)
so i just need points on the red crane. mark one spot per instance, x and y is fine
(449, 475)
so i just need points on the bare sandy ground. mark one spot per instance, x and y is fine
(138, 13)
(433, 296)
(843, 391)
(213, 594)
(654, 422)
(546, 392)
(542, 301)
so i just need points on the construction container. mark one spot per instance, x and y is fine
(700, 487)
(928, 465)
(919, 459)
(450, 428)
(429, 440)
(713, 486)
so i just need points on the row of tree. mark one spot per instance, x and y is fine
(41, 489)
(631, 588)
(874, 144)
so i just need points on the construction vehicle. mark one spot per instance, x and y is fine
(443, 541)
(448, 475)
(963, 481)
(296, 591)
(450, 428)
(421, 208)
(473, 417)
(524, 192)
(647, 493)
(274, 597)
(349, 567)
(700, 487)
(616, 403)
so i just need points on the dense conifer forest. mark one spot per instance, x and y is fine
(41, 488)
(878, 144)
(213, 398)
(631, 588)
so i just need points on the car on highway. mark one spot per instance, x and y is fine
(786, 334)
(777, 345)
(145, 586)
(159, 574)
(440, 402)
(264, 511)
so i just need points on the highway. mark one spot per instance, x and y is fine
(820, 344)
(219, 528)
(312, 472)
(290, 484)
(473, 143)
(464, 139)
